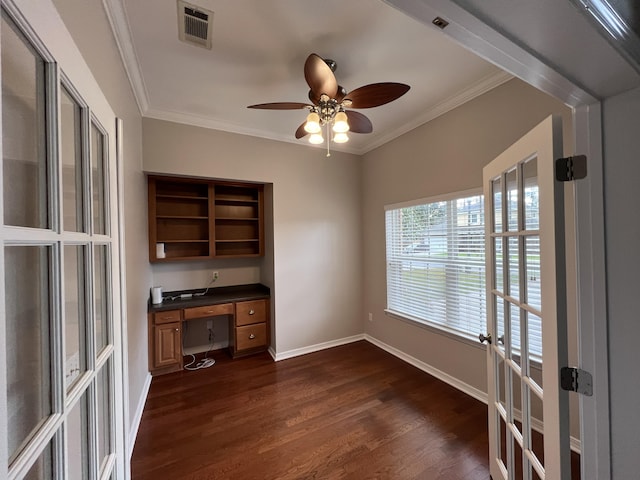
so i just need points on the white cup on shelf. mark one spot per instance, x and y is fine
(156, 295)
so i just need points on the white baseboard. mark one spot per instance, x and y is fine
(439, 374)
(315, 348)
(454, 382)
(135, 424)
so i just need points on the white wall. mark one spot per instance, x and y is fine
(447, 155)
(621, 115)
(315, 262)
(89, 27)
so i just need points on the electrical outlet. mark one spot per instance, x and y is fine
(209, 324)
(370, 317)
(215, 275)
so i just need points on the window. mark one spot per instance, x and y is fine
(436, 266)
(436, 262)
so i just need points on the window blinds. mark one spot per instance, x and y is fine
(436, 269)
(435, 263)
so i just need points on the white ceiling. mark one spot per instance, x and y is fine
(259, 49)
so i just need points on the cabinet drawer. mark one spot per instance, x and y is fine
(254, 311)
(208, 311)
(251, 336)
(166, 317)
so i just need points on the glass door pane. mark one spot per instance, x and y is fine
(71, 159)
(27, 342)
(103, 394)
(23, 131)
(531, 199)
(97, 180)
(101, 297)
(77, 428)
(43, 467)
(512, 200)
(75, 313)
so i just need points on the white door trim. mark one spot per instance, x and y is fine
(592, 298)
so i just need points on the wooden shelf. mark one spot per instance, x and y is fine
(183, 241)
(182, 197)
(203, 219)
(181, 217)
(231, 200)
(240, 240)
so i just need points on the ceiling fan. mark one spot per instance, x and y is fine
(329, 103)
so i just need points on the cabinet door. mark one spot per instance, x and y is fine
(167, 345)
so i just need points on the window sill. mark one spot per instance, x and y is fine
(437, 329)
(452, 334)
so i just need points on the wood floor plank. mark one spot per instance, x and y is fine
(350, 412)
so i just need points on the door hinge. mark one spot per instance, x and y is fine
(571, 168)
(575, 380)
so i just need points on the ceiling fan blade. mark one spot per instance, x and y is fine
(280, 106)
(376, 94)
(315, 99)
(319, 77)
(301, 132)
(358, 123)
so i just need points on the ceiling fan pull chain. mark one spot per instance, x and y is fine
(328, 139)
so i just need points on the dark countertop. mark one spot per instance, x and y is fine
(236, 293)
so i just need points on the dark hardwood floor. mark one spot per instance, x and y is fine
(352, 412)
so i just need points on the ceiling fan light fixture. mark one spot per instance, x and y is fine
(313, 123)
(316, 139)
(341, 137)
(329, 101)
(340, 123)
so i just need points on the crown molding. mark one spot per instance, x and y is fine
(215, 124)
(483, 86)
(117, 16)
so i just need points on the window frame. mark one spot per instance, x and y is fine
(440, 328)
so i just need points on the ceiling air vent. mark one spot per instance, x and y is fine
(195, 24)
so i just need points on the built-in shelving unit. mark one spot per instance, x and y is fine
(199, 219)
(237, 220)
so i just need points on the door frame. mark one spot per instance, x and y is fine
(593, 348)
(42, 25)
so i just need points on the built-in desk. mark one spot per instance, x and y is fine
(246, 306)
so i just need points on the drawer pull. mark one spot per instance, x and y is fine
(252, 312)
(176, 329)
(252, 336)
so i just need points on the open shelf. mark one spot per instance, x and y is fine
(201, 219)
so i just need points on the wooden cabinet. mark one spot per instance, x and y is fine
(165, 339)
(249, 331)
(208, 311)
(247, 308)
(201, 219)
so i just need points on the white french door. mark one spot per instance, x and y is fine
(60, 329)
(526, 309)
